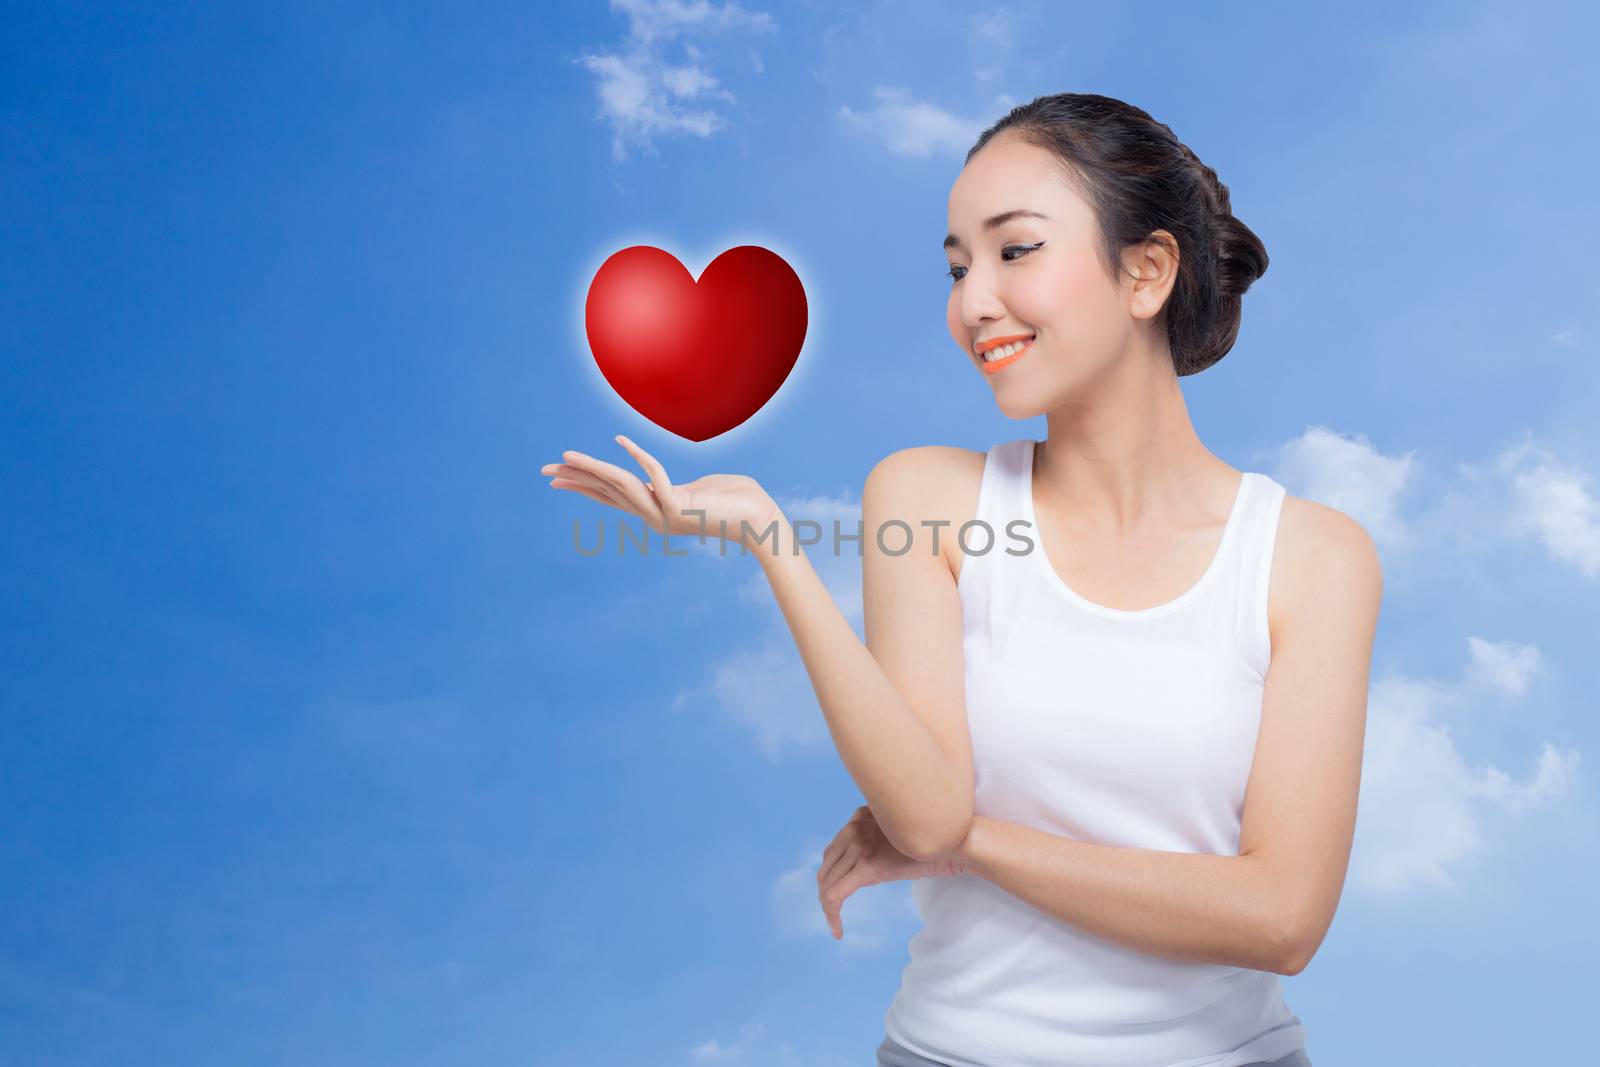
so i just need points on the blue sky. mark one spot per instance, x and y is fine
(322, 745)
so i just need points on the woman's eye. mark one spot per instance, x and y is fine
(1021, 250)
(1005, 254)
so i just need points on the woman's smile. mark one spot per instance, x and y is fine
(993, 364)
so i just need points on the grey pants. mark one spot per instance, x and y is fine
(893, 1054)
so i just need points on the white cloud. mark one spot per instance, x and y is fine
(1524, 493)
(1551, 503)
(1557, 766)
(652, 22)
(642, 94)
(687, 81)
(910, 127)
(765, 691)
(751, 1035)
(1418, 815)
(763, 687)
(993, 29)
(712, 1050)
(1421, 799)
(1503, 666)
(836, 560)
(1350, 474)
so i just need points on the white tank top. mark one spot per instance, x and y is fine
(1128, 728)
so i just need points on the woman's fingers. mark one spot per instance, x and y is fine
(836, 848)
(839, 888)
(569, 473)
(652, 466)
(598, 491)
(660, 486)
(848, 863)
(593, 494)
(598, 488)
(600, 468)
(841, 841)
(842, 870)
(626, 484)
(830, 856)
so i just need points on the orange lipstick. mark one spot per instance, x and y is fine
(998, 365)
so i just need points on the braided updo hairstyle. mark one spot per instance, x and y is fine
(1139, 178)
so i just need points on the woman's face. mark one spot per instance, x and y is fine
(1040, 278)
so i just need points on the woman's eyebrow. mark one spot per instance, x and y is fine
(993, 221)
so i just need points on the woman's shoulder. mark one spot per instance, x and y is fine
(927, 483)
(934, 475)
(1321, 554)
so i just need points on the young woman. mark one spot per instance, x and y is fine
(1111, 721)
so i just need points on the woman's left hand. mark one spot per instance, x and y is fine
(860, 855)
(732, 507)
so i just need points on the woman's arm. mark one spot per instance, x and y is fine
(895, 706)
(1191, 906)
(1269, 907)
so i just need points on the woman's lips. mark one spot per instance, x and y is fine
(998, 365)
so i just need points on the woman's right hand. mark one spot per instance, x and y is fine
(861, 855)
(736, 506)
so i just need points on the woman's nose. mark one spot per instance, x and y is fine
(978, 300)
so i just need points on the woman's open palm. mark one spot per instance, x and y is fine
(729, 501)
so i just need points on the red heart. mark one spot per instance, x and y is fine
(696, 359)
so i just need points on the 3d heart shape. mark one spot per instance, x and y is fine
(700, 358)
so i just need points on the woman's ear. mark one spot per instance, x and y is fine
(1154, 269)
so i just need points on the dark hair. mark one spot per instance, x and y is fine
(1140, 178)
